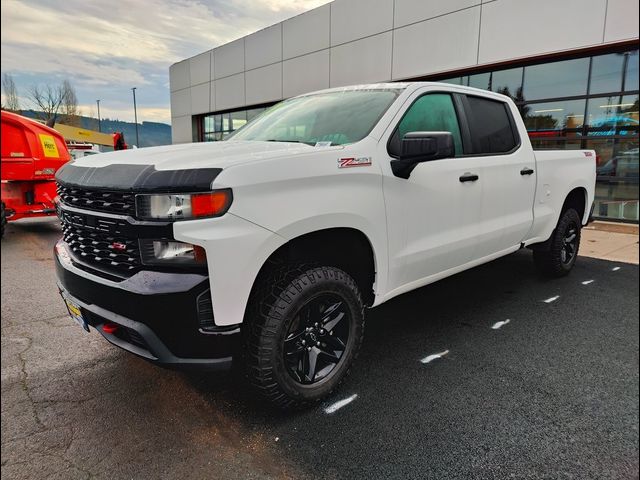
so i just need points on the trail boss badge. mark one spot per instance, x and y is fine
(354, 162)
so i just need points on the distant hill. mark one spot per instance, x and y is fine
(150, 133)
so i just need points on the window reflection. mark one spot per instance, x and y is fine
(606, 73)
(615, 115)
(562, 115)
(631, 77)
(507, 82)
(558, 79)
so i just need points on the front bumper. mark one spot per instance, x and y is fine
(156, 314)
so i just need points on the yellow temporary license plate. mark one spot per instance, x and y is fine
(75, 312)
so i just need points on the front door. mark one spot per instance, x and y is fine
(432, 216)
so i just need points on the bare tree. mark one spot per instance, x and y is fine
(48, 100)
(69, 109)
(10, 93)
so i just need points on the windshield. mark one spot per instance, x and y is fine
(332, 118)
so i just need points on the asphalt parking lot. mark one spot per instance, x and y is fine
(520, 377)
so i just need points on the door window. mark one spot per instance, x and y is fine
(492, 131)
(433, 112)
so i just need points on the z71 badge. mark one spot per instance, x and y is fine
(354, 162)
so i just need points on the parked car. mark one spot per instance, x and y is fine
(268, 247)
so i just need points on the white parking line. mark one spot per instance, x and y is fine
(587, 282)
(552, 299)
(500, 324)
(615, 269)
(433, 357)
(338, 405)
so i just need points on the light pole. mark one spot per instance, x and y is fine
(99, 125)
(135, 116)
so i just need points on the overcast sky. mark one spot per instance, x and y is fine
(105, 48)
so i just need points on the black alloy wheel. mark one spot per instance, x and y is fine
(317, 339)
(569, 244)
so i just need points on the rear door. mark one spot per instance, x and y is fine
(508, 174)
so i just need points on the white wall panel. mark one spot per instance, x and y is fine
(228, 59)
(263, 47)
(519, 28)
(436, 45)
(364, 61)
(212, 96)
(306, 33)
(305, 74)
(264, 84)
(181, 102)
(412, 11)
(181, 130)
(179, 76)
(354, 19)
(200, 98)
(230, 92)
(622, 20)
(200, 68)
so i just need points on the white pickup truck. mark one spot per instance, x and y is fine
(267, 247)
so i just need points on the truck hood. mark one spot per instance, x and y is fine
(185, 167)
(197, 155)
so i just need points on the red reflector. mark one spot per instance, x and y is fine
(110, 328)
(210, 204)
(200, 254)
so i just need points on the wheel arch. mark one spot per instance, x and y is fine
(346, 248)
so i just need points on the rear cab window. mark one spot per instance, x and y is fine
(491, 126)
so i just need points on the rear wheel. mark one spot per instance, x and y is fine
(305, 330)
(561, 256)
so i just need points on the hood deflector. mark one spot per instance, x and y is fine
(137, 178)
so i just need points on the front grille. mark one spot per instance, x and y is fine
(111, 252)
(121, 203)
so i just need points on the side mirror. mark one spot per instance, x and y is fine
(418, 147)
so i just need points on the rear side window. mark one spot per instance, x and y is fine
(433, 112)
(492, 130)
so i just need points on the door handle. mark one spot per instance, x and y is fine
(469, 177)
(526, 171)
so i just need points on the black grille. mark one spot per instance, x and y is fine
(205, 311)
(119, 254)
(121, 203)
(131, 336)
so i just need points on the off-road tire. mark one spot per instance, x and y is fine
(550, 261)
(273, 308)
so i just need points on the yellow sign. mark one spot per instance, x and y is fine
(49, 146)
(83, 135)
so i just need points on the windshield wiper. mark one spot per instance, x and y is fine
(289, 141)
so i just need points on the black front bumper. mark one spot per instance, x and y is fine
(156, 314)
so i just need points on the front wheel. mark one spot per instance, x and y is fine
(561, 256)
(4, 220)
(305, 329)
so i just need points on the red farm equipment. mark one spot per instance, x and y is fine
(31, 155)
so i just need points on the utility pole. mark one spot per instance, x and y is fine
(99, 125)
(135, 116)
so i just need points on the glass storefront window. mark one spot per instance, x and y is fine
(480, 80)
(562, 115)
(507, 82)
(631, 77)
(613, 115)
(607, 73)
(557, 79)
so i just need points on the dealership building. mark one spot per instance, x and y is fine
(570, 65)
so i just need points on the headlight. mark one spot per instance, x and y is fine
(169, 252)
(187, 206)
